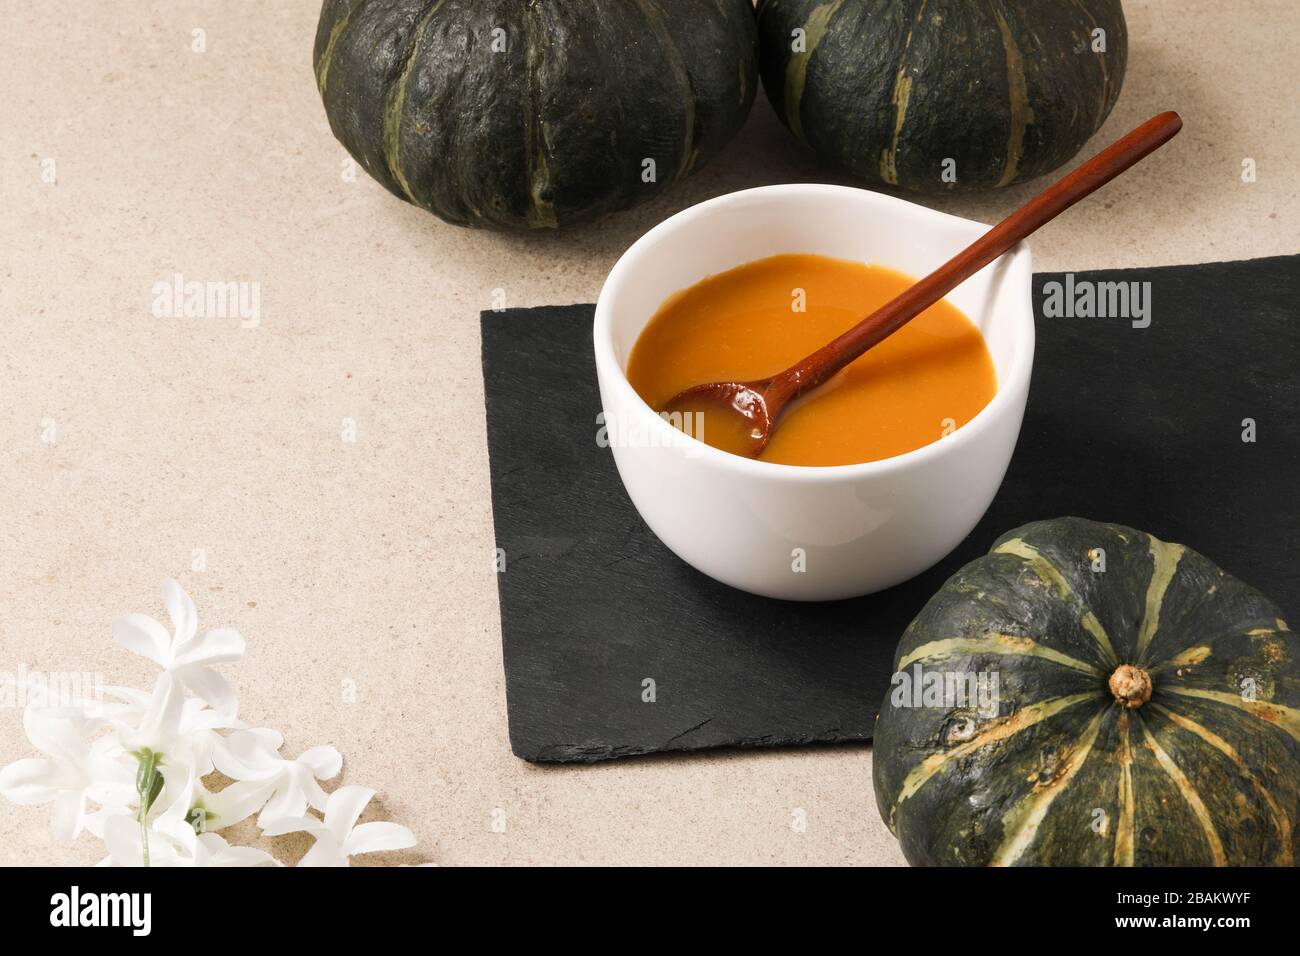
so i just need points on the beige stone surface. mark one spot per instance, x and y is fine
(369, 562)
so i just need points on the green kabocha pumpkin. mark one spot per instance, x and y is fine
(1088, 695)
(937, 95)
(527, 114)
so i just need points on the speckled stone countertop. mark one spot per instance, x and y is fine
(359, 572)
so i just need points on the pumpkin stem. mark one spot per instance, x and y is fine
(1131, 685)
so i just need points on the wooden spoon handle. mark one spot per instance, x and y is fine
(1044, 207)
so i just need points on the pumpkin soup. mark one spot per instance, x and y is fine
(930, 377)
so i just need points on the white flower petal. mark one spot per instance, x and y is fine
(172, 821)
(238, 802)
(175, 828)
(69, 814)
(308, 824)
(125, 707)
(96, 820)
(233, 767)
(112, 794)
(211, 687)
(374, 837)
(221, 853)
(270, 740)
(249, 754)
(141, 634)
(122, 840)
(199, 716)
(316, 797)
(185, 619)
(325, 852)
(287, 802)
(325, 761)
(111, 773)
(343, 807)
(219, 646)
(59, 733)
(160, 724)
(32, 781)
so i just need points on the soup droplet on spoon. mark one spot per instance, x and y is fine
(740, 417)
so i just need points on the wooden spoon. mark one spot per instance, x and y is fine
(741, 416)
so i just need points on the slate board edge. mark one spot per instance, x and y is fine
(578, 754)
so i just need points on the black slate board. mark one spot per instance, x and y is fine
(1138, 426)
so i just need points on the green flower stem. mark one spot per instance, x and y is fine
(148, 784)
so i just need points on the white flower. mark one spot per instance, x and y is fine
(184, 653)
(337, 836)
(267, 781)
(213, 850)
(173, 839)
(157, 725)
(75, 769)
(141, 759)
(163, 720)
(122, 838)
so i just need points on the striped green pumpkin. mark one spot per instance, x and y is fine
(902, 92)
(524, 114)
(1147, 711)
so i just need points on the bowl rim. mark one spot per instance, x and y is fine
(612, 375)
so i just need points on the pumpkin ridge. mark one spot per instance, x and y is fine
(395, 103)
(1030, 811)
(996, 643)
(1101, 62)
(1189, 794)
(1165, 560)
(1225, 584)
(1021, 113)
(1204, 651)
(1280, 819)
(1124, 826)
(994, 731)
(1284, 719)
(796, 71)
(1196, 654)
(654, 18)
(1052, 575)
(541, 213)
(327, 55)
(901, 98)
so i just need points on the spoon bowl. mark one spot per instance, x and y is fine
(730, 416)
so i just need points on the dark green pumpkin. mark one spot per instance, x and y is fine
(888, 90)
(1147, 713)
(525, 114)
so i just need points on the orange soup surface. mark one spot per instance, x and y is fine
(927, 379)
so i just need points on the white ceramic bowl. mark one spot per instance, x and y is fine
(862, 527)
